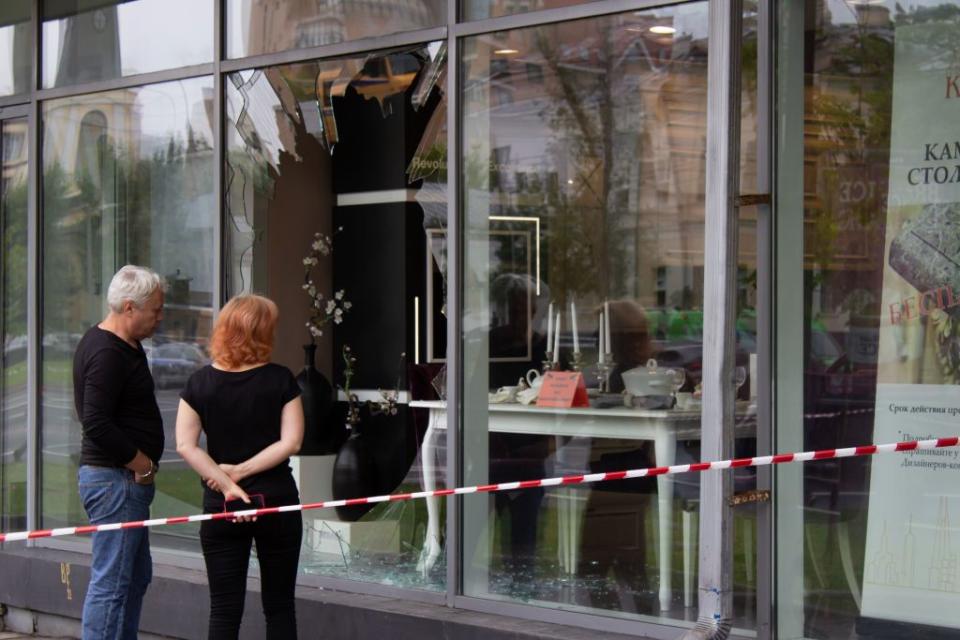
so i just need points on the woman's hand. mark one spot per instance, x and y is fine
(232, 470)
(234, 492)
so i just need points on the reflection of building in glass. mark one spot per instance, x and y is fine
(15, 148)
(101, 149)
(273, 26)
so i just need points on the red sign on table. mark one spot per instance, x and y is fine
(563, 389)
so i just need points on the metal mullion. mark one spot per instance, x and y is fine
(219, 155)
(764, 443)
(34, 251)
(454, 465)
(15, 111)
(14, 100)
(787, 308)
(36, 75)
(3, 332)
(338, 50)
(562, 14)
(126, 82)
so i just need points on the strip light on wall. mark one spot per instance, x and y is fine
(416, 329)
(536, 221)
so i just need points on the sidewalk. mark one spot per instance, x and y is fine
(9, 635)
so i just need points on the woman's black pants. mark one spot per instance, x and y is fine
(226, 551)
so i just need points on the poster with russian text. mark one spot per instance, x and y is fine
(912, 552)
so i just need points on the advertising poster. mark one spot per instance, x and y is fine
(912, 553)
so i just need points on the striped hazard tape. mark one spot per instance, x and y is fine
(759, 461)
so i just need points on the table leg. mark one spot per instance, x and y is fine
(564, 545)
(571, 458)
(665, 448)
(431, 543)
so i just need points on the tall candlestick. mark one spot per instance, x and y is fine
(573, 322)
(600, 343)
(556, 340)
(549, 326)
(606, 326)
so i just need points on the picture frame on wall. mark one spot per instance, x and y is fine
(511, 289)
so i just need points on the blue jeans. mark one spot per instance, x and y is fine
(121, 567)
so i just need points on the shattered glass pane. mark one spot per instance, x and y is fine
(353, 149)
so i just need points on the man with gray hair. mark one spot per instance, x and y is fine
(121, 447)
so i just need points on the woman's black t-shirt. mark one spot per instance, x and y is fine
(240, 413)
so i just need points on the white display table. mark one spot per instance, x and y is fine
(663, 427)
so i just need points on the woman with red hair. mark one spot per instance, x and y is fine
(251, 413)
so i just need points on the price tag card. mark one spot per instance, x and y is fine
(563, 389)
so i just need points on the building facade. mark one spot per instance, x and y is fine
(734, 220)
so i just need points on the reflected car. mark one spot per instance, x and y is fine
(172, 363)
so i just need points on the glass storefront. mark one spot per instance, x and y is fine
(568, 248)
(128, 178)
(583, 193)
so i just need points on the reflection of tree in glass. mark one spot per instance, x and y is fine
(142, 211)
(14, 256)
(584, 253)
(857, 62)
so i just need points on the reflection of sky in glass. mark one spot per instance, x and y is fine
(153, 36)
(238, 25)
(172, 104)
(6, 60)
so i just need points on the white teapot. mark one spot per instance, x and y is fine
(533, 381)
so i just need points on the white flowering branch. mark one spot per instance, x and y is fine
(322, 310)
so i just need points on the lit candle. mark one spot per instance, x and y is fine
(573, 322)
(600, 339)
(606, 327)
(556, 340)
(550, 326)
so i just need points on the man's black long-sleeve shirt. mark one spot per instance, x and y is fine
(113, 394)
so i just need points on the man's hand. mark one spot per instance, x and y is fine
(141, 464)
(146, 478)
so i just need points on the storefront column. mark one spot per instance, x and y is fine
(720, 273)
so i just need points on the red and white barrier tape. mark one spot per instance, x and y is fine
(758, 461)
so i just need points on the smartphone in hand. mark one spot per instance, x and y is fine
(256, 502)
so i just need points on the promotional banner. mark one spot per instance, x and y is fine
(912, 553)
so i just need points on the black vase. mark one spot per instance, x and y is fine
(320, 434)
(354, 475)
